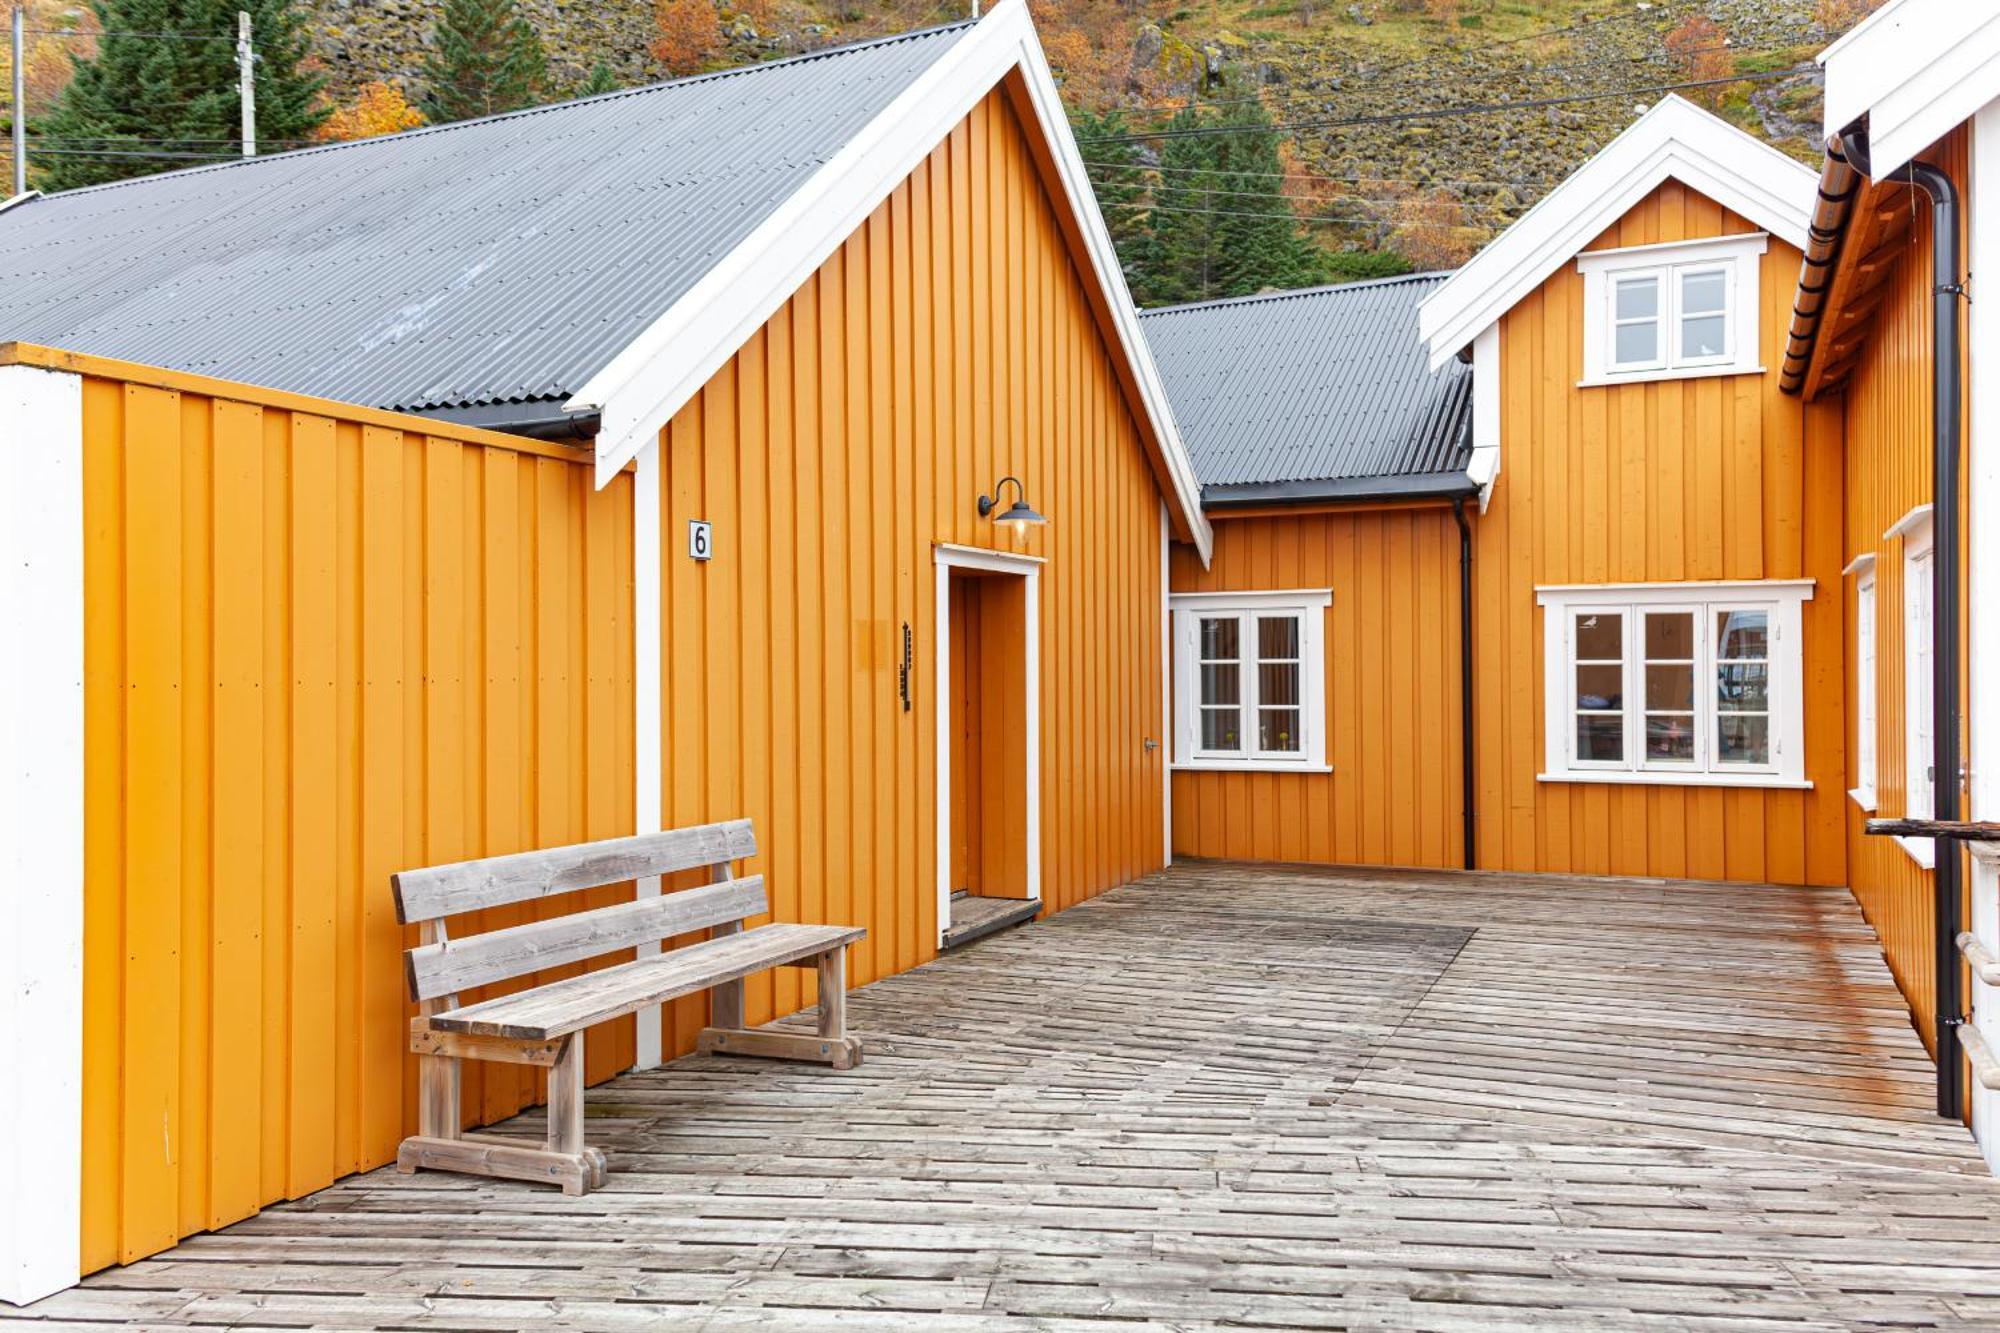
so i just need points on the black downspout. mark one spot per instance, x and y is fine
(1465, 681)
(1948, 366)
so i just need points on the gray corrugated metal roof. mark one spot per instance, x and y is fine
(1318, 392)
(497, 260)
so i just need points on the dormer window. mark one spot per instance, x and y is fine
(1656, 312)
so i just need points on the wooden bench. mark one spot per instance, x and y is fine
(544, 1025)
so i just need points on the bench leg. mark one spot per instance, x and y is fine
(725, 1005)
(830, 1046)
(566, 1111)
(438, 1082)
(833, 993)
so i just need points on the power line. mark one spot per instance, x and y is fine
(1353, 178)
(1238, 213)
(1475, 109)
(137, 153)
(77, 34)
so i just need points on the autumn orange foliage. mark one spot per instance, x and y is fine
(378, 108)
(1699, 50)
(1431, 231)
(686, 34)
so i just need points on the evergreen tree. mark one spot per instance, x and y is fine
(601, 80)
(1118, 177)
(174, 99)
(1179, 258)
(1258, 235)
(1219, 226)
(1360, 265)
(485, 58)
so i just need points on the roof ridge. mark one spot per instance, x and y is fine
(709, 76)
(1291, 293)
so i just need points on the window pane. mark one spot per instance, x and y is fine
(1638, 298)
(1278, 729)
(1741, 634)
(1600, 687)
(1221, 729)
(1670, 736)
(1743, 738)
(1743, 687)
(1704, 335)
(1221, 684)
(1278, 684)
(1600, 638)
(1600, 737)
(1636, 344)
(1670, 687)
(1704, 293)
(1670, 636)
(1219, 639)
(1277, 636)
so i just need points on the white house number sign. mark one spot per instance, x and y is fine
(701, 540)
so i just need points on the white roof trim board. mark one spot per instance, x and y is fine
(1674, 140)
(1916, 69)
(641, 388)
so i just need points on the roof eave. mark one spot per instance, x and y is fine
(1340, 490)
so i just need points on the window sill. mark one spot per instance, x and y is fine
(1246, 766)
(1864, 798)
(1921, 850)
(1629, 778)
(1658, 376)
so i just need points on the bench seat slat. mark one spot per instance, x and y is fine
(515, 951)
(562, 1007)
(495, 881)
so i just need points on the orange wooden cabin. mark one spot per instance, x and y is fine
(631, 522)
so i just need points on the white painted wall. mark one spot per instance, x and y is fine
(41, 830)
(648, 694)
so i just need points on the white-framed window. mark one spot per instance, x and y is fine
(1250, 680)
(1672, 311)
(1919, 787)
(1696, 683)
(1865, 723)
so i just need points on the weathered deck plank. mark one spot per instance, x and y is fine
(1229, 1096)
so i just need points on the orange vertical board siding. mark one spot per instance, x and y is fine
(304, 650)
(1889, 438)
(1715, 478)
(948, 341)
(1392, 694)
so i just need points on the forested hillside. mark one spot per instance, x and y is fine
(1236, 144)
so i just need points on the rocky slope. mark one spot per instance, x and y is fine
(1346, 74)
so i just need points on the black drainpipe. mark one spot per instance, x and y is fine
(1465, 681)
(1947, 367)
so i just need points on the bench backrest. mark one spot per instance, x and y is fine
(444, 966)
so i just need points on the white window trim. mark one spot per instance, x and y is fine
(1785, 599)
(1740, 257)
(1915, 530)
(1867, 666)
(1310, 605)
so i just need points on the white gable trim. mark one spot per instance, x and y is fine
(1917, 69)
(642, 388)
(1675, 140)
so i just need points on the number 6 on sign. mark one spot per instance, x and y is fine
(701, 542)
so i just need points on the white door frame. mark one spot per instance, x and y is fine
(1028, 568)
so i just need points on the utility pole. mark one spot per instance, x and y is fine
(20, 106)
(246, 80)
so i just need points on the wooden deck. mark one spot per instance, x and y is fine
(1229, 1096)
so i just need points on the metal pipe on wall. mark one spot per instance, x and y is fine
(1947, 362)
(1468, 785)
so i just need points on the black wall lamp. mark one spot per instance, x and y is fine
(1020, 516)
